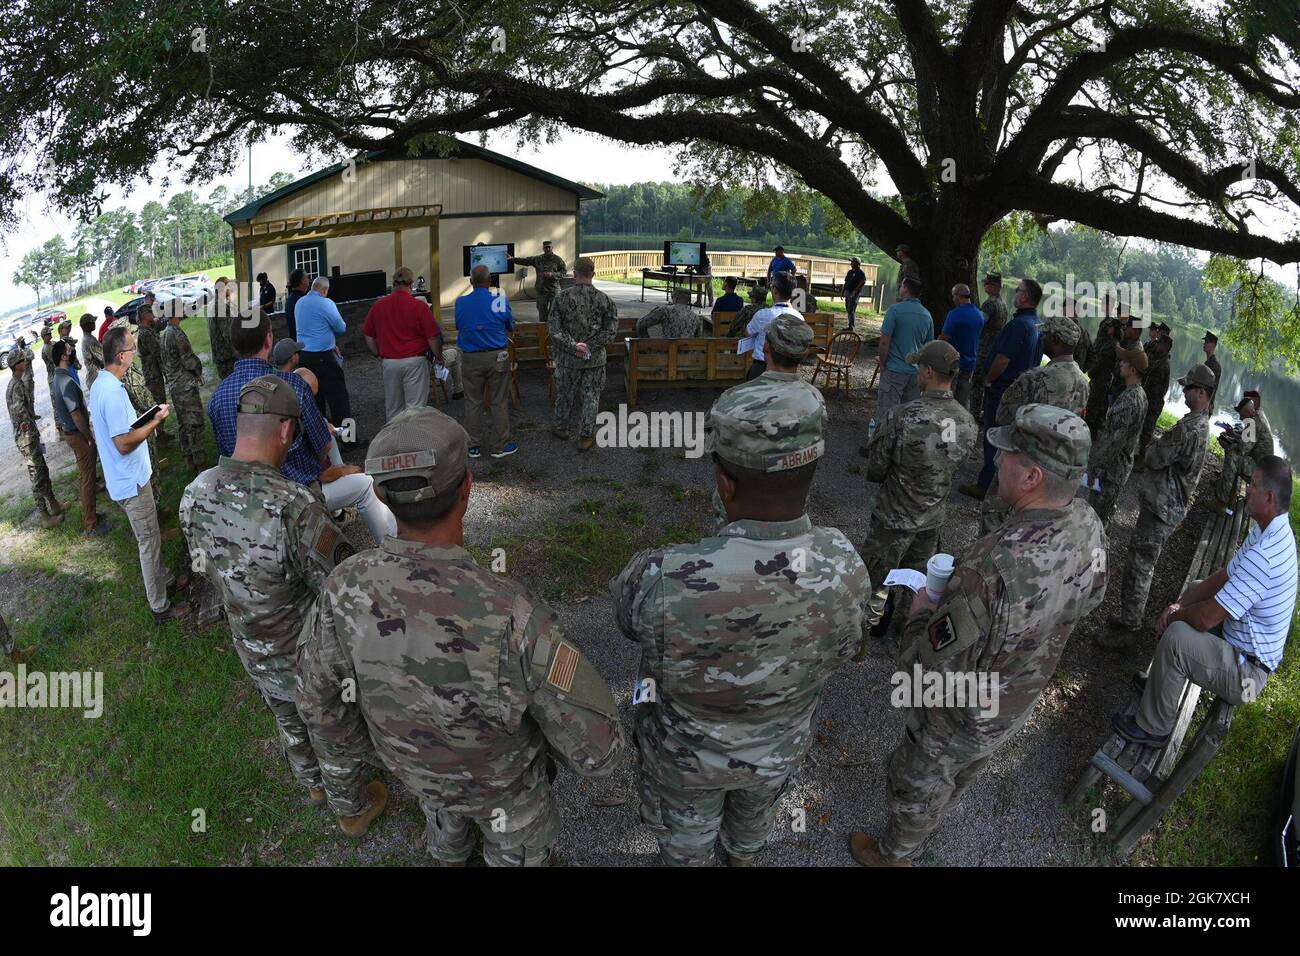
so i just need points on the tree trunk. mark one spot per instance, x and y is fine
(950, 254)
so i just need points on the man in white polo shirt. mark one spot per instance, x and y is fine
(756, 331)
(1227, 633)
(124, 454)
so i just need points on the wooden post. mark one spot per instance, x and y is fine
(397, 249)
(435, 277)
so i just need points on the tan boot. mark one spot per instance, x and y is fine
(49, 521)
(317, 795)
(377, 797)
(866, 851)
(739, 861)
(56, 508)
(587, 443)
(24, 655)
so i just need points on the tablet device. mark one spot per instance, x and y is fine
(146, 418)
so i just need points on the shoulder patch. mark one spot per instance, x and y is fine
(942, 633)
(564, 665)
(332, 547)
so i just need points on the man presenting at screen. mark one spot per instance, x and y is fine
(549, 268)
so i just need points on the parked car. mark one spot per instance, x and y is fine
(50, 317)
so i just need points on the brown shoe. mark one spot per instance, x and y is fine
(866, 851)
(49, 521)
(377, 795)
(587, 443)
(317, 795)
(23, 655)
(175, 611)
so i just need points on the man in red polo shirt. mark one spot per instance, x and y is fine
(400, 329)
(108, 320)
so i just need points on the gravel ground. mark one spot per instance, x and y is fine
(1011, 815)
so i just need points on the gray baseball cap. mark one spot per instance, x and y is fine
(284, 350)
(419, 442)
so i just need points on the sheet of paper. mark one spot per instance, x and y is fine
(907, 577)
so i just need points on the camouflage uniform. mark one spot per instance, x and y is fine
(995, 316)
(1008, 611)
(1212, 363)
(184, 374)
(738, 325)
(27, 436)
(738, 633)
(464, 681)
(224, 355)
(1111, 460)
(1156, 386)
(92, 358)
(1164, 495)
(47, 359)
(914, 455)
(546, 289)
(581, 313)
(149, 348)
(1059, 383)
(29, 380)
(1104, 363)
(1084, 347)
(266, 545)
(670, 322)
(1241, 455)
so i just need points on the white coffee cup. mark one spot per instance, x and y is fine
(937, 572)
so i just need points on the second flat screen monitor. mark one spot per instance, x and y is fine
(493, 256)
(684, 253)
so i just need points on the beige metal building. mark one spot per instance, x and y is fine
(389, 209)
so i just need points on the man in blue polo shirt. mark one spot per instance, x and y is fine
(1227, 633)
(908, 326)
(779, 263)
(1016, 348)
(308, 461)
(962, 328)
(483, 319)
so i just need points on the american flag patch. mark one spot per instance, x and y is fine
(564, 664)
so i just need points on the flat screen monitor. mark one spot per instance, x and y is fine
(493, 256)
(683, 253)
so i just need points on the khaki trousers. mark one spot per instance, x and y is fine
(1207, 660)
(142, 512)
(487, 372)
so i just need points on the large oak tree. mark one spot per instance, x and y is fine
(926, 123)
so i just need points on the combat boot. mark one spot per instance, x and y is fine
(23, 655)
(55, 507)
(866, 850)
(740, 861)
(377, 799)
(586, 443)
(317, 795)
(49, 521)
(561, 432)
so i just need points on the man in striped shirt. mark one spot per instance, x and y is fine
(1227, 633)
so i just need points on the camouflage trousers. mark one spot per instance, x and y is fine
(39, 475)
(518, 832)
(885, 549)
(544, 300)
(687, 822)
(187, 405)
(1149, 537)
(1234, 457)
(976, 398)
(1103, 502)
(6, 640)
(577, 397)
(929, 771)
(296, 742)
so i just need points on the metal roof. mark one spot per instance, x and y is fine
(462, 150)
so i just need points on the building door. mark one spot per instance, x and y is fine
(310, 257)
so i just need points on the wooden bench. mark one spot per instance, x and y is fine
(823, 326)
(682, 363)
(1154, 778)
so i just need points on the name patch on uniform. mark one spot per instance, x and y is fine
(564, 665)
(797, 459)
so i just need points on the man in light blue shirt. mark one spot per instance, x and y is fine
(318, 325)
(124, 455)
(908, 326)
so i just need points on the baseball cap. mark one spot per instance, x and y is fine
(938, 355)
(269, 395)
(1249, 395)
(1210, 337)
(757, 292)
(1198, 375)
(767, 426)
(789, 335)
(419, 443)
(1067, 330)
(284, 350)
(1135, 357)
(994, 277)
(1048, 436)
(15, 355)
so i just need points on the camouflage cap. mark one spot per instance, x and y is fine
(269, 395)
(423, 443)
(1063, 329)
(768, 425)
(1198, 375)
(757, 291)
(993, 278)
(65, 324)
(120, 323)
(1135, 357)
(1048, 436)
(15, 355)
(789, 335)
(938, 355)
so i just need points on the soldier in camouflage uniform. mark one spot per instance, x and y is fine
(676, 321)
(1005, 618)
(149, 347)
(221, 309)
(1083, 348)
(914, 455)
(1100, 369)
(1209, 345)
(1164, 495)
(266, 545)
(1156, 386)
(1111, 460)
(757, 302)
(995, 316)
(27, 436)
(10, 650)
(739, 633)
(184, 374)
(549, 267)
(1244, 447)
(583, 321)
(463, 681)
(1060, 383)
(46, 358)
(29, 379)
(92, 353)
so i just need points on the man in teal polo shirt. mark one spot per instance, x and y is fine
(908, 326)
